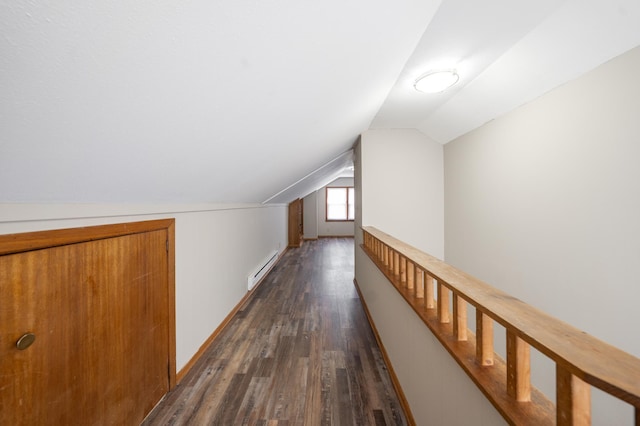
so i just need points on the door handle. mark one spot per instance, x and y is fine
(25, 341)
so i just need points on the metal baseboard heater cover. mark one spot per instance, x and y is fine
(262, 270)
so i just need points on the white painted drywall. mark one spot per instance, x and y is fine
(544, 203)
(437, 389)
(399, 189)
(217, 247)
(328, 228)
(310, 216)
(402, 187)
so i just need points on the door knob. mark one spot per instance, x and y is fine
(25, 341)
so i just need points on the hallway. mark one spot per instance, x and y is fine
(300, 352)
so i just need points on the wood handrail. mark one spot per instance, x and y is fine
(577, 354)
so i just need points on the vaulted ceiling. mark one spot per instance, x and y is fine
(253, 101)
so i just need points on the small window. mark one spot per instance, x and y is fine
(340, 204)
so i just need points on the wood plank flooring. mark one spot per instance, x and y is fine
(299, 352)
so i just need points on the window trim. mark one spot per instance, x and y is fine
(326, 204)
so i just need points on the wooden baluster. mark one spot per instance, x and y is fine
(392, 260)
(484, 338)
(637, 416)
(396, 264)
(443, 304)
(430, 301)
(459, 318)
(419, 282)
(518, 368)
(403, 270)
(386, 255)
(573, 399)
(389, 254)
(411, 275)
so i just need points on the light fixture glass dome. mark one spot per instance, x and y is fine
(436, 81)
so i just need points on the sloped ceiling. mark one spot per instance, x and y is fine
(190, 101)
(249, 101)
(507, 53)
(342, 166)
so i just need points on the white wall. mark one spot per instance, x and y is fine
(328, 228)
(217, 247)
(438, 391)
(399, 189)
(310, 216)
(544, 203)
(402, 187)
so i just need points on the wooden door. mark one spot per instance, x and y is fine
(295, 223)
(100, 312)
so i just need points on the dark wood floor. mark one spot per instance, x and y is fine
(300, 352)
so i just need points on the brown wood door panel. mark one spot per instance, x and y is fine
(100, 312)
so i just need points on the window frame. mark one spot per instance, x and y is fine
(348, 203)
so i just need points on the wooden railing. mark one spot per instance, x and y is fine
(581, 360)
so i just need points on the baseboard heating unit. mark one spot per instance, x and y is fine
(262, 270)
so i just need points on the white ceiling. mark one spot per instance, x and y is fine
(507, 53)
(252, 101)
(342, 166)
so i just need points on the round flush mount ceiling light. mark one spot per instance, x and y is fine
(436, 81)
